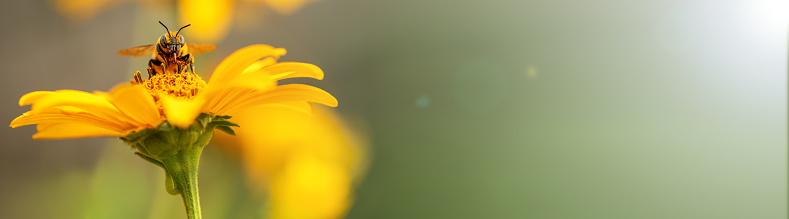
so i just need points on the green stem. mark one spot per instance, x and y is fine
(183, 169)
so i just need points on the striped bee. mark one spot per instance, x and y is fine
(170, 54)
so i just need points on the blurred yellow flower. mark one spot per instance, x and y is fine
(240, 81)
(308, 164)
(210, 19)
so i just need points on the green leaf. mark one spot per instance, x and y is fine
(226, 129)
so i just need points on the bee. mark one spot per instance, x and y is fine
(170, 54)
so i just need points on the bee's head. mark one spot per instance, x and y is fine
(172, 41)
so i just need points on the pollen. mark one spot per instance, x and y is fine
(186, 85)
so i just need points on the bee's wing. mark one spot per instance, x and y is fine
(137, 51)
(197, 49)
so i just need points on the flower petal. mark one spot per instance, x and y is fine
(298, 92)
(288, 93)
(72, 130)
(259, 65)
(298, 106)
(253, 81)
(57, 115)
(32, 97)
(180, 112)
(286, 70)
(229, 94)
(135, 102)
(81, 99)
(90, 103)
(235, 64)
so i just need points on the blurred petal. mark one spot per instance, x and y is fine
(309, 188)
(210, 19)
(286, 7)
(306, 164)
(82, 9)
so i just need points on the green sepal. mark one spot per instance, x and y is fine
(222, 117)
(223, 123)
(204, 119)
(165, 127)
(178, 151)
(226, 129)
(166, 142)
(135, 137)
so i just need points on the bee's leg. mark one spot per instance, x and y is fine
(192, 63)
(150, 72)
(187, 60)
(163, 65)
(151, 69)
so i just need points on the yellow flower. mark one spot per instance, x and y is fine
(307, 164)
(210, 19)
(240, 81)
(170, 117)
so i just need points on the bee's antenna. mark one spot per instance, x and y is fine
(168, 30)
(179, 30)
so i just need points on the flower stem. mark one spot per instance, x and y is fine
(182, 166)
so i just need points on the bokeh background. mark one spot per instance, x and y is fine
(471, 109)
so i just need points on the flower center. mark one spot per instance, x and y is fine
(185, 85)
